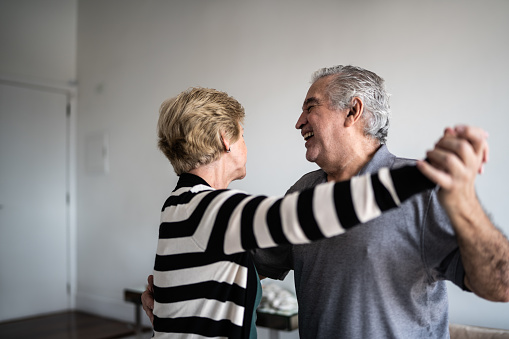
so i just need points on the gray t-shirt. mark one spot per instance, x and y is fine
(382, 280)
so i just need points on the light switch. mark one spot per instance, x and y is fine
(97, 153)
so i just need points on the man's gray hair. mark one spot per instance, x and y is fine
(349, 82)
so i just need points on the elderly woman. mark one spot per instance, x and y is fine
(205, 283)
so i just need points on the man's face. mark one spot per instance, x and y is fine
(321, 126)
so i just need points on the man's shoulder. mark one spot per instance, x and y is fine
(309, 180)
(384, 158)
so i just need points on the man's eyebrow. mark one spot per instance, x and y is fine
(311, 100)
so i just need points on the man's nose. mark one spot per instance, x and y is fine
(301, 122)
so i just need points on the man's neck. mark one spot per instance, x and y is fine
(352, 166)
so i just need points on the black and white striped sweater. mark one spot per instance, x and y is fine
(204, 279)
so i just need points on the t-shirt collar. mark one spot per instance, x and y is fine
(382, 158)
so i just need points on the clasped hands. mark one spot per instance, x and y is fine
(454, 164)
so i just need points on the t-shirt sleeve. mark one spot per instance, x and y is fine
(440, 247)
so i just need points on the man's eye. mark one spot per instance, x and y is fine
(310, 108)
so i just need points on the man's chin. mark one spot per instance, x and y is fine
(311, 157)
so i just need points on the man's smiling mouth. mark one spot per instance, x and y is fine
(308, 135)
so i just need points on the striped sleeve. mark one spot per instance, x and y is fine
(230, 221)
(244, 222)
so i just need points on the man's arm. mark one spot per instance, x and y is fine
(457, 158)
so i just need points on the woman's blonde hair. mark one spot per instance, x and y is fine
(190, 126)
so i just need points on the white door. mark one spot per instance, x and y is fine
(33, 208)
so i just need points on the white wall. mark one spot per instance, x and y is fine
(444, 63)
(38, 40)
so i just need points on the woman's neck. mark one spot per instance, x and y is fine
(213, 174)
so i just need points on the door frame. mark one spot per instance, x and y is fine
(70, 92)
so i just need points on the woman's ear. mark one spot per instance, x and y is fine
(226, 142)
(355, 112)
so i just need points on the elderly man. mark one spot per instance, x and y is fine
(387, 282)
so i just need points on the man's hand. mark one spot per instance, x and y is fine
(147, 299)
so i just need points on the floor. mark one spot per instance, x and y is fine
(70, 325)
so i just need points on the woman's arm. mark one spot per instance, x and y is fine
(241, 222)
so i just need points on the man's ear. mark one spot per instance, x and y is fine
(355, 112)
